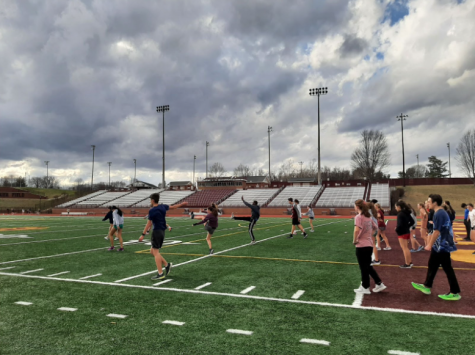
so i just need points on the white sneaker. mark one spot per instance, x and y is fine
(379, 288)
(387, 248)
(295, 232)
(378, 248)
(312, 230)
(363, 290)
(116, 238)
(106, 238)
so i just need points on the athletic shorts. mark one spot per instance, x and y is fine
(311, 218)
(121, 226)
(382, 229)
(295, 222)
(158, 235)
(210, 229)
(404, 236)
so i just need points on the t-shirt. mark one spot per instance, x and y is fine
(465, 216)
(310, 213)
(472, 217)
(157, 216)
(298, 210)
(118, 220)
(366, 226)
(445, 241)
(295, 212)
(381, 219)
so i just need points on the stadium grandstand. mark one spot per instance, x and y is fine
(101, 199)
(262, 196)
(305, 195)
(380, 192)
(340, 196)
(205, 198)
(133, 198)
(166, 197)
(81, 199)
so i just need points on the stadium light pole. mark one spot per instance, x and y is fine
(402, 118)
(109, 163)
(93, 147)
(269, 129)
(450, 170)
(47, 174)
(163, 109)
(418, 171)
(317, 92)
(135, 171)
(301, 164)
(207, 145)
(194, 163)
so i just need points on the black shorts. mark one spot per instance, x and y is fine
(209, 229)
(158, 235)
(295, 222)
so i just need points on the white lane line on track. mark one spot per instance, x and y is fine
(29, 271)
(59, 273)
(162, 282)
(284, 300)
(297, 294)
(21, 303)
(247, 290)
(239, 331)
(89, 277)
(203, 286)
(397, 352)
(67, 309)
(113, 315)
(173, 322)
(358, 299)
(315, 341)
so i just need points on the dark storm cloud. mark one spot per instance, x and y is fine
(353, 45)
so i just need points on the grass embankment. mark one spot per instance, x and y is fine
(456, 194)
(49, 193)
(30, 203)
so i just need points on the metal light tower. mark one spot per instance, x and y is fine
(450, 170)
(163, 109)
(269, 129)
(402, 118)
(317, 92)
(135, 172)
(93, 147)
(109, 163)
(207, 145)
(418, 170)
(194, 163)
(301, 171)
(47, 173)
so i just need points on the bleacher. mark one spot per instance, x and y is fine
(340, 196)
(262, 196)
(380, 192)
(205, 198)
(305, 195)
(167, 198)
(81, 199)
(102, 199)
(133, 198)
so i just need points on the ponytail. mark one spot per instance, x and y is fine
(363, 207)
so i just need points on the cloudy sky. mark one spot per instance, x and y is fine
(81, 72)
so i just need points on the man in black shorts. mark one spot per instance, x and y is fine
(255, 214)
(295, 220)
(156, 216)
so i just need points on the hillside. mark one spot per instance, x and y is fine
(456, 194)
(49, 193)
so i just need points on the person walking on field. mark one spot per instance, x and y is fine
(255, 215)
(424, 220)
(471, 220)
(373, 213)
(296, 220)
(466, 222)
(363, 240)
(404, 222)
(440, 244)
(381, 228)
(211, 224)
(156, 217)
(416, 247)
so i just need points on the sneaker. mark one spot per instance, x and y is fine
(232, 215)
(379, 288)
(311, 230)
(363, 290)
(116, 238)
(413, 250)
(192, 215)
(450, 297)
(110, 249)
(405, 266)
(421, 248)
(253, 242)
(378, 248)
(211, 251)
(121, 249)
(387, 248)
(295, 232)
(158, 277)
(376, 262)
(106, 238)
(168, 268)
(290, 237)
(421, 287)
(305, 236)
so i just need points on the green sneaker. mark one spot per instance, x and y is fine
(451, 297)
(421, 288)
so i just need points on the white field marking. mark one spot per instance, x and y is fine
(203, 286)
(59, 273)
(208, 256)
(284, 300)
(162, 282)
(188, 243)
(247, 290)
(358, 299)
(10, 267)
(173, 322)
(21, 303)
(315, 341)
(29, 271)
(113, 315)
(89, 277)
(52, 256)
(297, 294)
(12, 236)
(397, 352)
(67, 309)
(238, 331)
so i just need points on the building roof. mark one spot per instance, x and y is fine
(138, 183)
(302, 179)
(181, 183)
(257, 179)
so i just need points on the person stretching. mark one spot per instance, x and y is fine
(311, 217)
(118, 218)
(108, 216)
(296, 220)
(211, 223)
(255, 214)
(404, 222)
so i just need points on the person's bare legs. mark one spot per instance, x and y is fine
(301, 228)
(111, 236)
(119, 234)
(424, 235)
(311, 223)
(293, 229)
(208, 240)
(405, 250)
(383, 235)
(159, 259)
(375, 249)
(414, 243)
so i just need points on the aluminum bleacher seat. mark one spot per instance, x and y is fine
(166, 198)
(381, 193)
(133, 198)
(260, 195)
(81, 199)
(101, 199)
(342, 197)
(304, 194)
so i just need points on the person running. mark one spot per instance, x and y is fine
(364, 243)
(108, 216)
(424, 220)
(404, 222)
(296, 219)
(255, 215)
(416, 247)
(118, 221)
(440, 244)
(211, 224)
(156, 217)
(311, 217)
(381, 228)
(373, 213)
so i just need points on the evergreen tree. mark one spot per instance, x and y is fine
(436, 168)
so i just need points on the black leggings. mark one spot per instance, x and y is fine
(364, 260)
(252, 223)
(468, 227)
(436, 260)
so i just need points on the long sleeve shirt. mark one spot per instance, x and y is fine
(255, 210)
(109, 217)
(404, 222)
(211, 219)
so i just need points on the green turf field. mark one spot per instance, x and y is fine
(252, 288)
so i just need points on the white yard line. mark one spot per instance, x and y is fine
(247, 290)
(53, 256)
(284, 300)
(173, 322)
(358, 299)
(315, 341)
(297, 294)
(239, 331)
(21, 303)
(162, 282)
(29, 271)
(67, 309)
(113, 315)
(59, 273)
(203, 286)
(89, 277)
(397, 352)
(5, 268)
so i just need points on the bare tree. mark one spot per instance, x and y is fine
(372, 156)
(466, 154)
(242, 170)
(217, 170)
(35, 181)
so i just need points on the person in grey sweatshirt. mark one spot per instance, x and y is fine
(255, 214)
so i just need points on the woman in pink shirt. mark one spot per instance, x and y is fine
(362, 239)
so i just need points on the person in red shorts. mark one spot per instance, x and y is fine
(404, 223)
